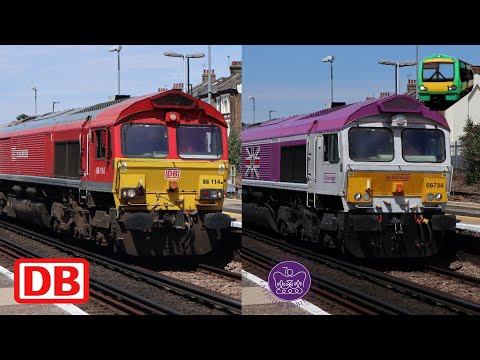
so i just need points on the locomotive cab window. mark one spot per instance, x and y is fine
(330, 148)
(144, 140)
(370, 144)
(100, 141)
(423, 145)
(199, 142)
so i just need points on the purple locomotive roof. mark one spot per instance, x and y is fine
(336, 118)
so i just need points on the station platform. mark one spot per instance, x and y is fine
(233, 207)
(257, 299)
(8, 305)
(467, 213)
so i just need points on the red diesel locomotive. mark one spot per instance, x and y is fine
(146, 175)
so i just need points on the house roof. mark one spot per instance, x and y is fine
(220, 85)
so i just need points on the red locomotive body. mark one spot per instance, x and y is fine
(71, 171)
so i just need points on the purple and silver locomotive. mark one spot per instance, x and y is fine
(369, 178)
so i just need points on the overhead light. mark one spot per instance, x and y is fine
(174, 54)
(329, 58)
(116, 48)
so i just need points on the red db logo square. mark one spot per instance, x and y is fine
(46, 281)
(172, 173)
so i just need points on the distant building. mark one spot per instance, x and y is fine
(466, 107)
(411, 88)
(226, 94)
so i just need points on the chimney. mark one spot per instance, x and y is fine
(411, 85)
(384, 94)
(235, 68)
(205, 76)
(160, 90)
(177, 86)
(370, 98)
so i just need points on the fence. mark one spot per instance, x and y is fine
(457, 157)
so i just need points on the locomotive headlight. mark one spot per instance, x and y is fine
(133, 193)
(430, 197)
(453, 87)
(366, 196)
(357, 196)
(438, 197)
(423, 88)
(207, 194)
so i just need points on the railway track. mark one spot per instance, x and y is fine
(454, 275)
(347, 298)
(188, 292)
(435, 298)
(220, 272)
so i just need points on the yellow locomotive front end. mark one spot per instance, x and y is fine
(170, 207)
(170, 180)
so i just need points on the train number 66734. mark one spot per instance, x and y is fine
(434, 185)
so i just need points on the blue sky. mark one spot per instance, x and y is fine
(293, 79)
(82, 75)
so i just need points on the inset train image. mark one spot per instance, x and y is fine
(443, 80)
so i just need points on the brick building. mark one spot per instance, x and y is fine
(226, 94)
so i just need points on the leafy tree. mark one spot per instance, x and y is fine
(22, 116)
(470, 141)
(234, 148)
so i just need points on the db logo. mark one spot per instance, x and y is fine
(172, 173)
(51, 281)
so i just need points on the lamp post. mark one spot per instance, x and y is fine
(191, 56)
(253, 99)
(416, 76)
(117, 48)
(397, 64)
(53, 105)
(209, 75)
(35, 89)
(270, 114)
(186, 66)
(330, 59)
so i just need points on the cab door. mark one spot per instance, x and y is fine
(99, 154)
(328, 167)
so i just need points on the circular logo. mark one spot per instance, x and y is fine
(289, 280)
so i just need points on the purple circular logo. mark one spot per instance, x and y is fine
(289, 280)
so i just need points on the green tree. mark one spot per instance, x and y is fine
(234, 148)
(22, 116)
(470, 141)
